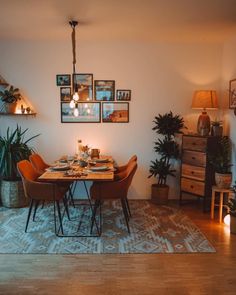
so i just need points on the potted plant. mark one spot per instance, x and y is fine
(216, 128)
(167, 126)
(13, 148)
(220, 161)
(232, 212)
(9, 97)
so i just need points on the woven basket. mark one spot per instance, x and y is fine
(12, 194)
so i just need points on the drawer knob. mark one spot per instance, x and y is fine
(194, 143)
(193, 158)
(191, 186)
(192, 172)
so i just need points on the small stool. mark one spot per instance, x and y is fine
(221, 191)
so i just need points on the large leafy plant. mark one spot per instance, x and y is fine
(220, 158)
(167, 126)
(13, 148)
(10, 95)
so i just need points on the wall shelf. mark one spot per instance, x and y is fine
(18, 114)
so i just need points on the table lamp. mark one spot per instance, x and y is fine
(204, 99)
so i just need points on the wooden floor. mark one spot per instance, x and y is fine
(128, 274)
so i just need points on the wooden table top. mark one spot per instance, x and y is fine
(77, 173)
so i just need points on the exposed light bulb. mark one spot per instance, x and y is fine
(86, 105)
(227, 219)
(72, 104)
(76, 112)
(76, 96)
(88, 98)
(88, 111)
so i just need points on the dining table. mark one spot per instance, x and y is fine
(95, 170)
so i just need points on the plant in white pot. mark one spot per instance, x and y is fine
(167, 126)
(13, 148)
(9, 97)
(220, 160)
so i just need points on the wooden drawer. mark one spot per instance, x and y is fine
(193, 186)
(193, 172)
(194, 158)
(195, 143)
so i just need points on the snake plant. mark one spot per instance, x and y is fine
(13, 148)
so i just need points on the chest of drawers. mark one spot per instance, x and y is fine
(197, 175)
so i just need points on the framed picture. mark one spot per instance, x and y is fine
(123, 94)
(65, 94)
(115, 112)
(63, 80)
(83, 83)
(89, 112)
(104, 90)
(232, 94)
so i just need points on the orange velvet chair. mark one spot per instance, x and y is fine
(37, 191)
(123, 167)
(120, 173)
(40, 166)
(38, 163)
(117, 189)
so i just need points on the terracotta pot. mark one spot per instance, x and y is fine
(232, 224)
(223, 180)
(10, 108)
(12, 194)
(160, 194)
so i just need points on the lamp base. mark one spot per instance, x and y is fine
(203, 124)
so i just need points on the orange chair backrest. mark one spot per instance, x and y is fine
(131, 170)
(133, 158)
(27, 171)
(38, 163)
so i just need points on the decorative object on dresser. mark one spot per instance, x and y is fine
(197, 174)
(204, 99)
(13, 148)
(166, 125)
(216, 128)
(220, 159)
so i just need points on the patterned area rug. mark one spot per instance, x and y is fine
(154, 229)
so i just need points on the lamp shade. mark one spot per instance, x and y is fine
(204, 99)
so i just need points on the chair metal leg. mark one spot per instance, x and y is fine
(125, 214)
(35, 209)
(96, 205)
(128, 207)
(66, 208)
(59, 216)
(29, 213)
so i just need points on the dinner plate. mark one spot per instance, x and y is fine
(101, 168)
(61, 168)
(105, 160)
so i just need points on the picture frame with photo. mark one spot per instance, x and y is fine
(65, 94)
(232, 94)
(89, 112)
(115, 112)
(63, 80)
(104, 90)
(83, 84)
(123, 94)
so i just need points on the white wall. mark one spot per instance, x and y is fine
(162, 77)
(229, 73)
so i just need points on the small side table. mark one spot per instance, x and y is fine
(221, 191)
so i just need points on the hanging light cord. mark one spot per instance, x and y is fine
(73, 24)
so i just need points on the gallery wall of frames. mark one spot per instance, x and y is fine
(99, 100)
